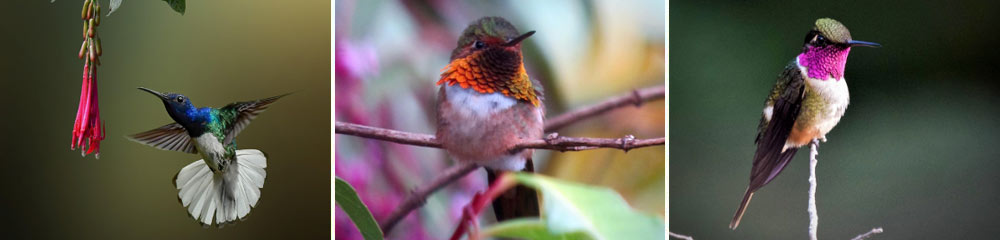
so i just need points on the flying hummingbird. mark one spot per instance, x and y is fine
(226, 182)
(487, 104)
(807, 101)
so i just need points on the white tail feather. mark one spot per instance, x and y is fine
(228, 196)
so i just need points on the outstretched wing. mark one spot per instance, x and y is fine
(244, 112)
(172, 137)
(786, 102)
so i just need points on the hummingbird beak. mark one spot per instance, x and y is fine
(158, 94)
(854, 43)
(518, 39)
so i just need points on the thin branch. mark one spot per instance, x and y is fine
(813, 215)
(418, 197)
(552, 142)
(678, 236)
(636, 98)
(868, 234)
(425, 140)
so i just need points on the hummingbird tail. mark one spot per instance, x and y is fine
(519, 201)
(228, 195)
(739, 212)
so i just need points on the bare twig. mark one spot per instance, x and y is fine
(868, 234)
(556, 142)
(636, 97)
(425, 140)
(813, 215)
(678, 236)
(418, 197)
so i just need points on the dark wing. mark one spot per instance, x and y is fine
(245, 111)
(769, 159)
(172, 137)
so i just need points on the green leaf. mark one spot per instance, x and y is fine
(348, 200)
(177, 5)
(599, 212)
(529, 228)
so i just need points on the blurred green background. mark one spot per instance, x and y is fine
(389, 54)
(217, 53)
(915, 153)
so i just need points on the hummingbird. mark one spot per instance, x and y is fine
(487, 104)
(226, 182)
(807, 101)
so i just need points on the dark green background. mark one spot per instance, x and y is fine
(916, 152)
(218, 52)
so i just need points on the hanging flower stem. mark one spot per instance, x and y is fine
(88, 130)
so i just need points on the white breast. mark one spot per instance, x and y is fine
(471, 103)
(211, 149)
(834, 92)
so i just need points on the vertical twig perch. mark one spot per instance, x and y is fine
(813, 216)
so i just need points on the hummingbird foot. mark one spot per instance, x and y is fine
(822, 138)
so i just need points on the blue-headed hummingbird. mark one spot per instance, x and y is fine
(226, 182)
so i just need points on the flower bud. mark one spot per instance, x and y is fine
(83, 49)
(98, 45)
(93, 55)
(90, 30)
(85, 9)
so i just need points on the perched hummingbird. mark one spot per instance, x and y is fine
(807, 101)
(226, 182)
(487, 104)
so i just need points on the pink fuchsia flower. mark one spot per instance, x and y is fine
(87, 129)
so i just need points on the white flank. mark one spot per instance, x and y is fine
(513, 162)
(228, 196)
(768, 111)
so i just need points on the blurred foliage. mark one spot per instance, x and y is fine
(572, 208)
(389, 55)
(347, 199)
(915, 152)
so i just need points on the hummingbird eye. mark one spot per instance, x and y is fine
(180, 99)
(819, 40)
(478, 44)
